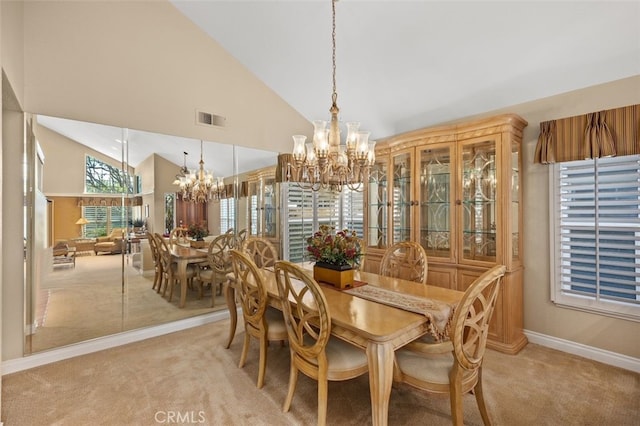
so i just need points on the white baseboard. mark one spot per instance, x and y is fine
(589, 352)
(99, 344)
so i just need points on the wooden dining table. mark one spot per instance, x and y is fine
(377, 328)
(183, 256)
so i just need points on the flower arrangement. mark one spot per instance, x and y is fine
(197, 231)
(341, 248)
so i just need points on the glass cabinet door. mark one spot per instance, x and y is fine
(479, 214)
(377, 204)
(434, 170)
(402, 202)
(270, 206)
(516, 247)
(254, 209)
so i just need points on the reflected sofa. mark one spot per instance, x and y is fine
(112, 243)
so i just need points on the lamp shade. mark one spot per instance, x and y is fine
(82, 221)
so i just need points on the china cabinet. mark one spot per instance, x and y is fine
(263, 205)
(455, 189)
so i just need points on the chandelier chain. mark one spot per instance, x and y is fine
(333, 43)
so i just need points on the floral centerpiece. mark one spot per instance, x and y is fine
(197, 231)
(339, 251)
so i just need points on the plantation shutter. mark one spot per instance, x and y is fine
(599, 224)
(299, 224)
(353, 211)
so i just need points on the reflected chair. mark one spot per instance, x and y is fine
(261, 251)
(260, 321)
(170, 268)
(157, 261)
(406, 260)
(179, 235)
(314, 351)
(241, 237)
(217, 266)
(438, 369)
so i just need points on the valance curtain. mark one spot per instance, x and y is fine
(109, 201)
(597, 134)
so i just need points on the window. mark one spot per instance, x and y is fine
(103, 178)
(306, 210)
(103, 219)
(596, 216)
(227, 214)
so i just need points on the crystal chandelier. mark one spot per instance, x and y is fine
(325, 162)
(199, 185)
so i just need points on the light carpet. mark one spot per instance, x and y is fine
(189, 377)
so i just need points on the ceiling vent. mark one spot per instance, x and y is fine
(208, 119)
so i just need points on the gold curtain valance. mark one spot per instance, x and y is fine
(109, 201)
(597, 134)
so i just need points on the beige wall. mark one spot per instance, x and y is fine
(540, 315)
(125, 64)
(143, 65)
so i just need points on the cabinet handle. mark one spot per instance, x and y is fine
(458, 202)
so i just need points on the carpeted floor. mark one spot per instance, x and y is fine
(190, 378)
(88, 301)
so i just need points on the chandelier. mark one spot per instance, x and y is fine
(198, 185)
(325, 162)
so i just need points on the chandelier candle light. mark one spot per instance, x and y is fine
(199, 185)
(325, 162)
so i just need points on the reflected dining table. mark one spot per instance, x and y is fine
(378, 328)
(182, 256)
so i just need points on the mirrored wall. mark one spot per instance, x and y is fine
(89, 186)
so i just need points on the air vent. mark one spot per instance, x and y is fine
(208, 119)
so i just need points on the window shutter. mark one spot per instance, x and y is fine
(598, 241)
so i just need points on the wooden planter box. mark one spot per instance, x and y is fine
(197, 244)
(338, 276)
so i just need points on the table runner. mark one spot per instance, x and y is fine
(439, 314)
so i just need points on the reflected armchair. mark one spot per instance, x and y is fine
(112, 243)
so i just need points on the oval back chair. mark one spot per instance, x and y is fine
(459, 371)
(260, 321)
(406, 260)
(314, 351)
(263, 253)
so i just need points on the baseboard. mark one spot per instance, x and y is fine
(99, 344)
(589, 352)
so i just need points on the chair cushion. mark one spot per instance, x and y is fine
(342, 356)
(428, 368)
(275, 322)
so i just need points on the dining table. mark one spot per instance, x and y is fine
(377, 326)
(183, 255)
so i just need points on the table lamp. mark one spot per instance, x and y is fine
(82, 221)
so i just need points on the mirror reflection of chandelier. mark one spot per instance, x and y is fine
(325, 162)
(199, 185)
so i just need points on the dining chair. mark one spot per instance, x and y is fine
(169, 268)
(241, 237)
(179, 235)
(260, 321)
(406, 260)
(263, 253)
(314, 351)
(439, 369)
(157, 262)
(217, 266)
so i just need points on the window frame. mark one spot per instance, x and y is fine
(581, 302)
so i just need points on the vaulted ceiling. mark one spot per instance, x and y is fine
(403, 65)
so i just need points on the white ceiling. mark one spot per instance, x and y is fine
(218, 158)
(401, 65)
